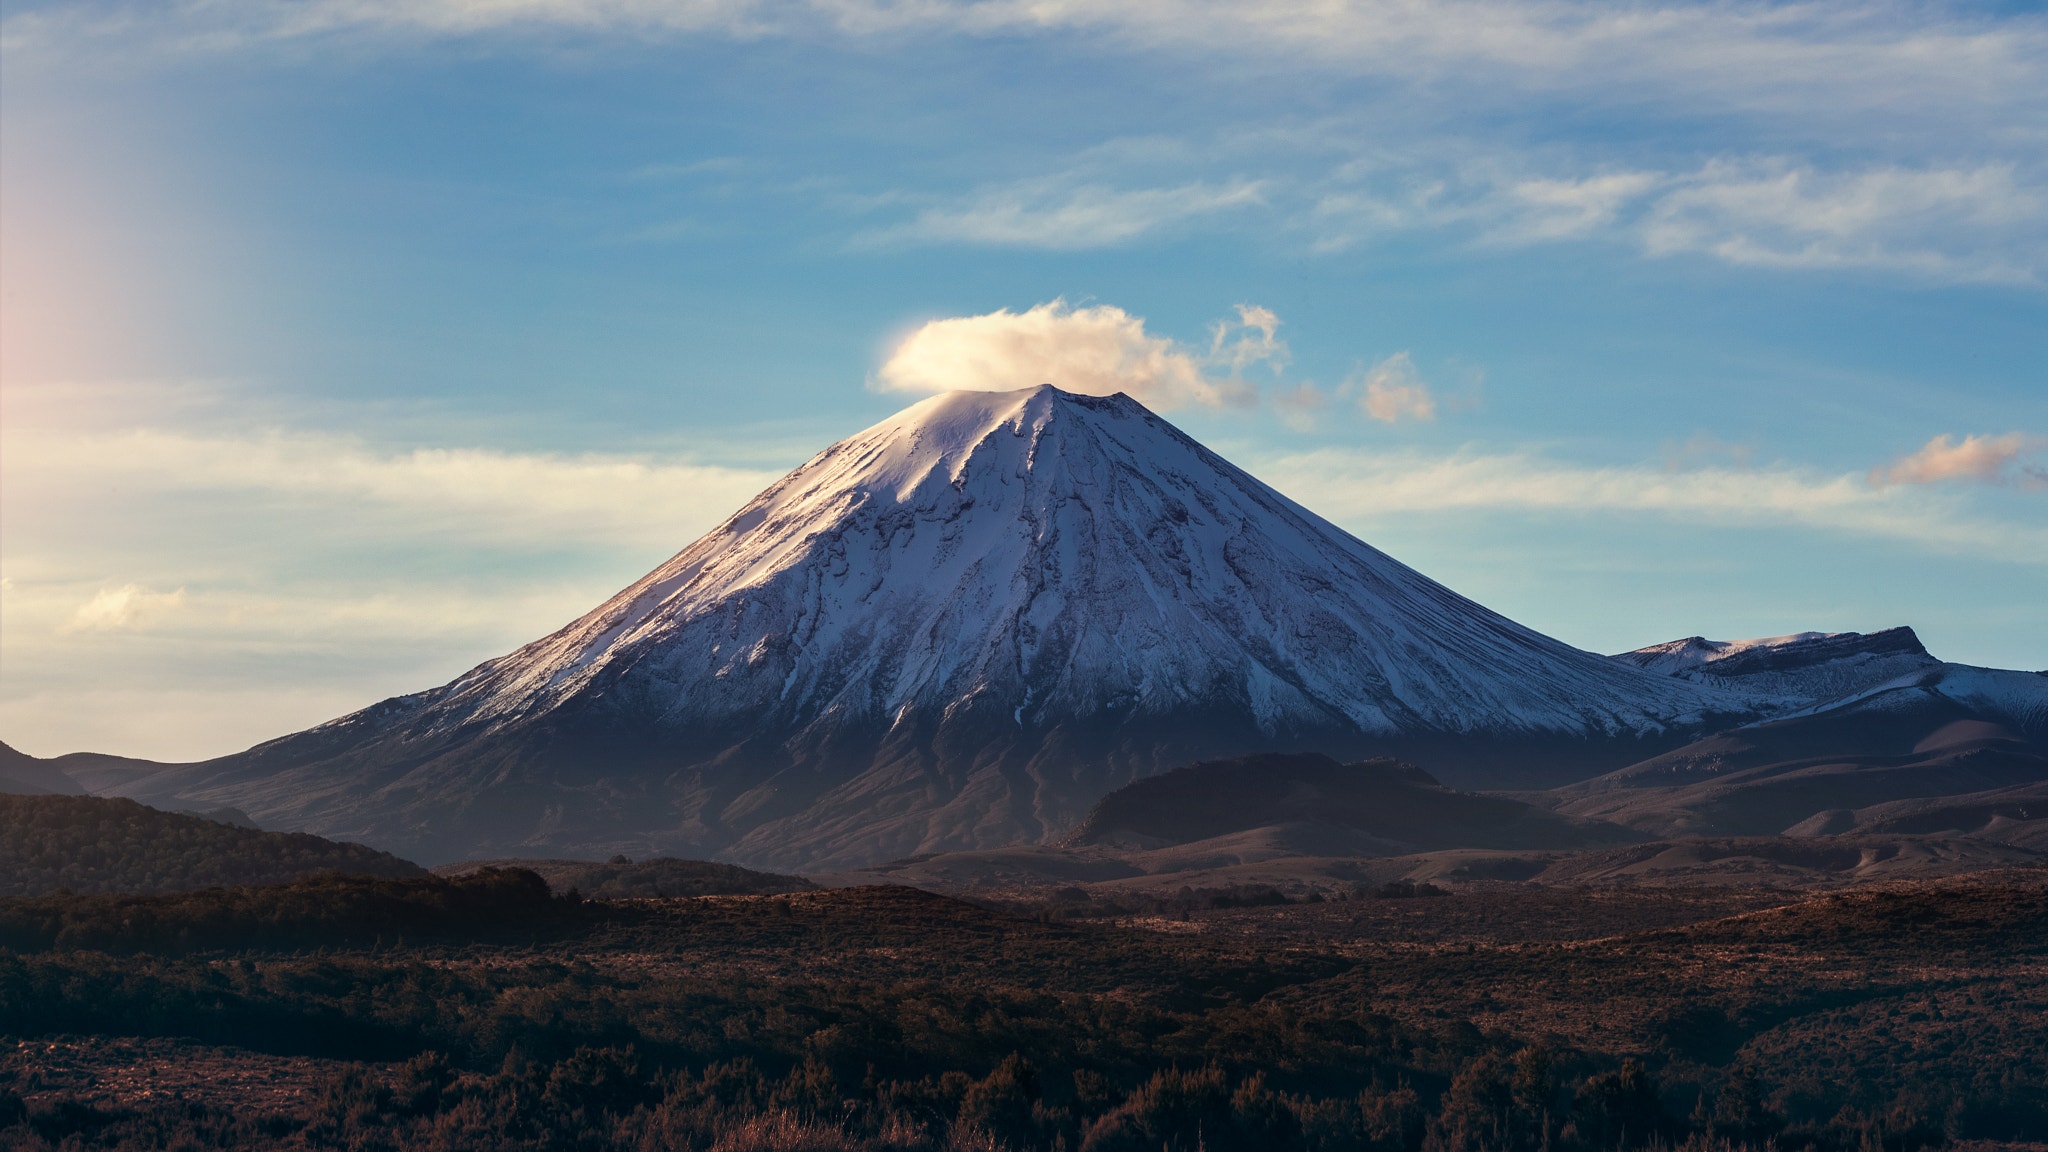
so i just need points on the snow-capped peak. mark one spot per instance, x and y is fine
(1063, 555)
(961, 626)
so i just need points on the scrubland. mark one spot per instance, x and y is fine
(488, 1012)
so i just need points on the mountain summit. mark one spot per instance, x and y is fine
(958, 628)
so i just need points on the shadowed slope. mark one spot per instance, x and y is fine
(1949, 731)
(1398, 805)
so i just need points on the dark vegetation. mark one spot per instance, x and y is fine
(623, 879)
(92, 844)
(891, 1018)
(1383, 799)
(328, 911)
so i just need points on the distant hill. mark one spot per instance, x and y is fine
(24, 775)
(1807, 667)
(1970, 735)
(90, 844)
(621, 878)
(1377, 807)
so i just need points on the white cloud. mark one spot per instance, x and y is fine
(1985, 459)
(122, 609)
(250, 559)
(1807, 56)
(1392, 391)
(1252, 339)
(1552, 209)
(1953, 223)
(1349, 484)
(1940, 102)
(1047, 214)
(1099, 349)
(473, 494)
(1980, 223)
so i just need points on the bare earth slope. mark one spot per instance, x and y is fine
(956, 629)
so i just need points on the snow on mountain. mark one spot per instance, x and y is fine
(957, 628)
(2008, 697)
(1056, 556)
(1785, 672)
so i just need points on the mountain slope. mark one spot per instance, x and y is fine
(1803, 669)
(957, 628)
(1946, 731)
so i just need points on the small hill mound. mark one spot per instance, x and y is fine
(1395, 806)
(93, 844)
(622, 879)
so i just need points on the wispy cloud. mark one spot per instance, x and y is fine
(1392, 391)
(475, 494)
(1893, 56)
(234, 562)
(1890, 136)
(1048, 214)
(1348, 484)
(121, 609)
(1980, 223)
(2000, 460)
(1953, 223)
(1568, 209)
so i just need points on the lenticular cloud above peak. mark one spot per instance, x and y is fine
(1096, 350)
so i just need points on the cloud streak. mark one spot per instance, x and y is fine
(1978, 223)
(1998, 460)
(1044, 214)
(474, 494)
(123, 609)
(1894, 57)
(1945, 183)
(1350, 484)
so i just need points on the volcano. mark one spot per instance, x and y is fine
(957, 629)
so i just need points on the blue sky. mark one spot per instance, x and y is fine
(348, 343)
